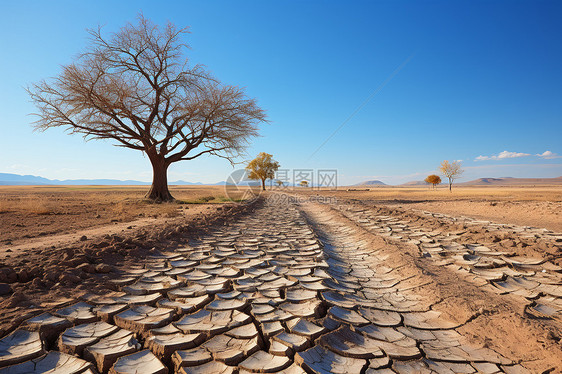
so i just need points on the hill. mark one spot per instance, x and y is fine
(15, 179)
(415, 183)
(371, 183)
(7, 179)
(508, 181)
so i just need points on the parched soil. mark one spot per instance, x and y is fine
(117, 228)
(547, 214)
(498, 278)
(28, 212)
(276, 285)
(537, 206)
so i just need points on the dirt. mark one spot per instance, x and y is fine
(545, 214)
(495, 321)
(469, 231)
(89, 234)
(489, 320)
(539, 206)
(53, 270)
(44, 272)
(28, 212)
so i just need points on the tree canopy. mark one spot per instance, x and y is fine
(451, 170)
(263, 167)
(433, 179)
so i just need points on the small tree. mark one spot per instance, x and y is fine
(304, 183)
(433, 179)
(262, 167)
(451, 170)
(137, 89)
(279, 183)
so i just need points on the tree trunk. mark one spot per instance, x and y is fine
(263, 184)
(450, 185)
(159, 190)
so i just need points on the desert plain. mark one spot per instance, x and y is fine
(298, 280)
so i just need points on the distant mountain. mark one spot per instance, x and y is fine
(89, 182)
(509, 181)
(184, 183)
(14, 179)
(31, 180)
(415, 183)
(371, 183)
(241, 183)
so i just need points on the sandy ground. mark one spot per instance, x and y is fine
(499, 322)
(544, 214)
(29, 212)
(61, 238)
(52, 267)
(48, 275)
(89, 234)
(486, 319)
(522, 205)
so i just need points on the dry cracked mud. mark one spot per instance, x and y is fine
(306, 288)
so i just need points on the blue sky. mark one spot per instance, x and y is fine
(481, 78)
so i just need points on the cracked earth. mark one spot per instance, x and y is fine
(313, 287)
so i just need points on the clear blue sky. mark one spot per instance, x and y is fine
(484, 77)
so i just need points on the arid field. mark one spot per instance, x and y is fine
(41, 211)
(390, 280)
(538, 206)
(442, 256)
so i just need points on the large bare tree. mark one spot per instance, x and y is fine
(137, 89)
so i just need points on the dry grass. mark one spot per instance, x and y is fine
(209, 200)
(29, 211)
(39, 205)
(128, 209)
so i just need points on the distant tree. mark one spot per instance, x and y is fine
(137, 89)
(304, 183)
(262, 168)
(433, 179)
(279, 183)
(451, 170)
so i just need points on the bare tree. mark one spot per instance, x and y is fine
(451, 170)
(262, 167)
(137, 89)
(433, 179)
